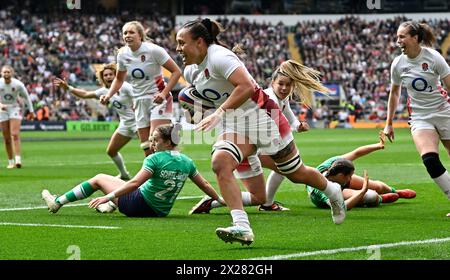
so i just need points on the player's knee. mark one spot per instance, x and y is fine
(15, 136)
(111, 152)
(371, 198)
(433, 164)
(221, 164)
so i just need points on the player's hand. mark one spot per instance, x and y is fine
(304, 126)
(159, 98)
(32, 115)
(97, 201)
(61, 83)
(389, 132)
(104, 99)
(3, 107)
(382, 137)
(210, 121)
(366, 181)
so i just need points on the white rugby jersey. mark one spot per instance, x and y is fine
(122, 102)
(285, 108)
(10, 92)
(143, 68)
(421, 77)
(210, 79)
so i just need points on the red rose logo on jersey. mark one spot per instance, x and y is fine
(142, 58)
(425, 66)
(207, 73)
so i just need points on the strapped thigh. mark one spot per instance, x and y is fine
(229, 147)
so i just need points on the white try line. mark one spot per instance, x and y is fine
(77, 204)
(351, 249)
(52, 225)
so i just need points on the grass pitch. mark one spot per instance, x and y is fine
(406, 229)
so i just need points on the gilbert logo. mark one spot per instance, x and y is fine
(373, 4)
(73, 4)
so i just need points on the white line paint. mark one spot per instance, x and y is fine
(351, 249)
(52, 225)
(77, 204)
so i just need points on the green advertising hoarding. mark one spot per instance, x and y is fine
(91, 126)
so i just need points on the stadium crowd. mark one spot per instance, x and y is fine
(351, 51)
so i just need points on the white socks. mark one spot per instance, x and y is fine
(18, 159)
(443, 182)
(240, 218)
(273, 183)
(332, 190)
(118, 160)
(246, 200)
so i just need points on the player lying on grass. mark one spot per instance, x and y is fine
(151, 193)
(340, 169)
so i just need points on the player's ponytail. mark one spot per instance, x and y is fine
(305, 80)
(422, 30)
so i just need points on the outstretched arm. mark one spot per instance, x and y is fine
(206, 187)
(367, 149)
(78, 92)
(358, 196)
(142, 176)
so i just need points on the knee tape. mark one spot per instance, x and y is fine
(291, 165)
(229, 147)
(433, 164)
(145, 145)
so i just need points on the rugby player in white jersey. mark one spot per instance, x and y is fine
(141, 63)
(420, 69)
(122, 103)
(249, 120)
(11, 89)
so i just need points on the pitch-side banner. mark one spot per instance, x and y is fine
(43, 126)
(91, 126)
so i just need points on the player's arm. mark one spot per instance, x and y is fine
(367, 149)
(394, 97)
(142, 176)
(446, 81)
(244, 88)
(26, 96)
(115, 86)
(173, 80)
(206, 187)
(358, 196)
(78, 92)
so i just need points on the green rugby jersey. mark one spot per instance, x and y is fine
(318, 197)
(170, 170)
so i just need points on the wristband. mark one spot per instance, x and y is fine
(111, 196)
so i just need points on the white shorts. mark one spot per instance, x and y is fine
(145, 111)
(126, 130)
(260, 128)
(11, 112)
(439, 123)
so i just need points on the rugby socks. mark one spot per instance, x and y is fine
(18, 159)
(273, 183)
(443, 182)
(246, 201)
(79, 192)
(10, 162)
(118, 160)
(240, 218)
(393, 190)
(331, 190)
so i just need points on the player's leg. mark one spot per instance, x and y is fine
(381, 188)
(15, 135)
(103, 182)
(117, 142)
(227, 154)
(6, 131)
(427, 144)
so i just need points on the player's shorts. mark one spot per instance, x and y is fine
(249, 168)
(439, 123)
(10, 112)
(260, 128)
(146, 110)
(318, 198)
(126, 130)
(133, 205)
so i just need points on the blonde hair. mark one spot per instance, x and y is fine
(111, 66)
(139, 27)
(305, 79)
(10, 69)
